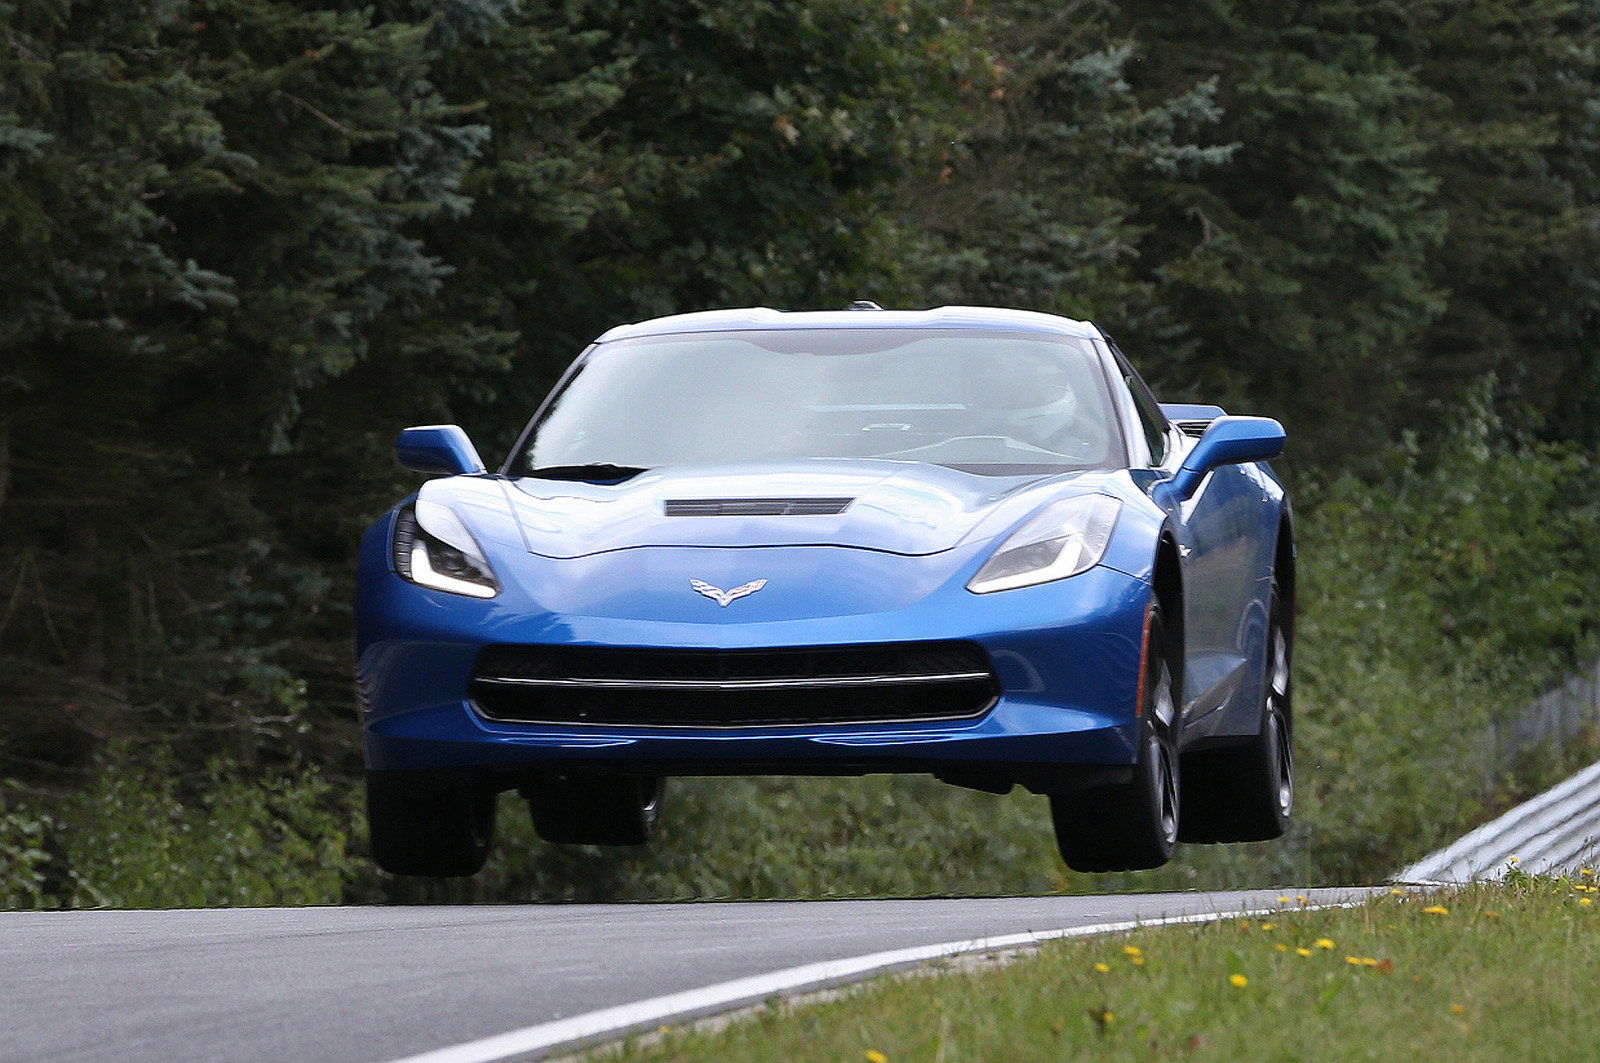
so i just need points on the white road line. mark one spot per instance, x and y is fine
(532, 1042)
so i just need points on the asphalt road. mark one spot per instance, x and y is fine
(371, 985)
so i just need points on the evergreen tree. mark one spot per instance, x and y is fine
(1514, 140)
(212, 207)
(1303, 264)
(1030, 205)
(653, 156)
(1411, 207)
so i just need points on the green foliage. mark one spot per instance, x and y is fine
(23, 859)
(210, 208)
(144, 835)
(651, 156)
(1511, 139)
(1431, 606)
(1029, 204)
(1300, 266)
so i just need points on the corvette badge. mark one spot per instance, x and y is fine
(722, 597)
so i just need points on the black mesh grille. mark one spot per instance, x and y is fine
(734, 688)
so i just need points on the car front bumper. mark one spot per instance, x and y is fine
(1065, 658)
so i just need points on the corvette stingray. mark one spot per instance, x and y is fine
(965, 542)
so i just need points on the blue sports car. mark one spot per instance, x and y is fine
(964, 541)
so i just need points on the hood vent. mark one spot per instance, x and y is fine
(756, 507)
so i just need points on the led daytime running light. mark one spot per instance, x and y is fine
(1065, 538)
(432, 548)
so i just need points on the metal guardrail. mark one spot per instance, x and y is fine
(1558, 831)
(1554, 718)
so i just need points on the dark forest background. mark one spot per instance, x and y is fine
(243, 242)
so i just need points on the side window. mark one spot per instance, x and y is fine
(1151, 419)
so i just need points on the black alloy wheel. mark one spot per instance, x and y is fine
(428, 823)
(619, 810)
(1245, 793)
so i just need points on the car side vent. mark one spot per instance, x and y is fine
(756, 507)
(1193, 428)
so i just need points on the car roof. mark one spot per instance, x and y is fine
(985, 318)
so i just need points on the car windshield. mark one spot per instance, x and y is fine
(986, 402)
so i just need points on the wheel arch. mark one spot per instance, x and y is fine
(1283, 570)
(1166, 583)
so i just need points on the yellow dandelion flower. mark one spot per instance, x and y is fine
(1269, 926)
(1102, 968)
(1132, 950)
(1457, 1009)
(1302, 951)
(1436, 909)
(875, 1056)
(1108, 1017)
(1283, 900)
(1398, 892)
(1586, 871)
(1238, 981)
(1585, 901)
(1281, 947)
(1323, 943)
(1514, 860)
(1369, 961)
(1354, 961)
(1302, 899)
(1137, 961)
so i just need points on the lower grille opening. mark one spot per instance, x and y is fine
(901, 682)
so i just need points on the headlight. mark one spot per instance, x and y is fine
(1063, 539)
(433, 548)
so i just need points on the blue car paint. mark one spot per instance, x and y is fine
(593, 564)
(440, 449)
(417, 648)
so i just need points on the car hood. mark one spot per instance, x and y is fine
(897, 507)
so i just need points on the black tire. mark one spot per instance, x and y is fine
(426, 823)
(1134, 825)
(1246, 793)
(622, 810)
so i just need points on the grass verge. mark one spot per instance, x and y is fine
(1486, 972)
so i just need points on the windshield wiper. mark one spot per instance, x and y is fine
(597, 472)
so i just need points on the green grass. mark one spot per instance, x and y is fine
(1488, 972)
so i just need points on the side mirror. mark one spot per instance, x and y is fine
(437, 449)
(1229, 441)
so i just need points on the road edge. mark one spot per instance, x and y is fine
(609, 1024)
